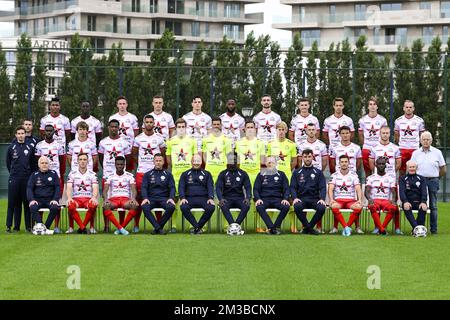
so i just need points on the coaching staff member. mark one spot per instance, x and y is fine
(309, 190)
(432, 167)
(271, 190)
(158, 191)
(20, 162)
(233, 190)
(196, 190)
(413, 193)
(43, 192)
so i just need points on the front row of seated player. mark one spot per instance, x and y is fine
(307, 189)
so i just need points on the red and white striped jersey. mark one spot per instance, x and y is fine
(127, 124)
(266, 124)
(371, 129)
(120, 186)
(148, 146)
(111, 148)
(61, 124)
(353, 151)
(390, 152)
(409, 131)
(381, 186)
(332, 126)
(95, 126)
(344, 185)
(299, 125)
(52, 151)
(76, 147)
(82, 183)
(319, 150)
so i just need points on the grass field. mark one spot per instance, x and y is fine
(216, 266)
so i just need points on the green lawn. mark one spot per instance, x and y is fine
(216, 266)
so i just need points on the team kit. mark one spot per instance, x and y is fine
(197, 163)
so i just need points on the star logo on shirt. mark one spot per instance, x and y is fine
(408, 131)
(281, 156)
(113, 153)
(56, 130)
(267, 127)
(349, 156)
(159, 127)
(215, 154)
(231, 129)
(303, 130)
(248, 155)
(381, 188)
(373, 131)
(123, 129)
(182, 155)
(148, 150)
(195, 128)
(344, 187)
(50, 155)
(336, 131)
(121, 186)
(387, 157)
(80, 152)
(83, 186)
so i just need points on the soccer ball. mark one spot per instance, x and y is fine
(39, 229)
(420, 231)
(234, 230)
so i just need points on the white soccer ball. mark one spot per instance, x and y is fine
(39, 229)
(234, 230)
(420, 231)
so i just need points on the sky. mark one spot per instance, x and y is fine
(273, 12)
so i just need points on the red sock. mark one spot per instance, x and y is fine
(121, 216)
(71, 224)
(387, 219)
(89, 217)
(319, 224)
(76, 216)
(353, 217)
(106, 220)
(131, 215)
(338, 217)
(335, 221)
(137, 218)
(109, 215)
(356, 220)
(376, 220)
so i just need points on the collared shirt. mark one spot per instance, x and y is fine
(428, 162)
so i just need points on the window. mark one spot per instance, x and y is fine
(155, 27)
(128, 25)
(175, 27)
(445, 9)
(444, 34)
(233, 31)
(92, 21)
(200, 8)
(391, 6)
(35, 26)
(401, 36)
(232, 10)
(427, 35)
(98, 44)
(359, 32)
(55, 24)
(195, 29)
(135, 5)
(153, 6)
(206, 29)
(212, 8)
(114, 25)
(52, 86)
(46, 25)
(175, 6)
(149, 48)
(425, 5)
(137, 47)
(360, 11)
(332, 13)
(302, 13)
(309, 36)
(376, 35)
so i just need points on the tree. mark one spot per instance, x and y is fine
(311, 79)
(418, 78)
(200, 74)
(40, 85)
(274, 86)
(344, 72)
(403, 79)
(293, 74)
(6, 130)
(22, 79)
(244, 94)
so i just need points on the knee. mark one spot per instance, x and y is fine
(54, 207)
(72, 206)
(285, 207)
(185, 207)
(298, 207)
(146, 207)
(335, 205)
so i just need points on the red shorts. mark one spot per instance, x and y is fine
(406, 156)
(139, 177)
(365, 158)
(345, 203)
(82, 202)
(382, 205)
(119, 202)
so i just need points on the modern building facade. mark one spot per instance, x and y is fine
(386, 24)
(136, 23)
